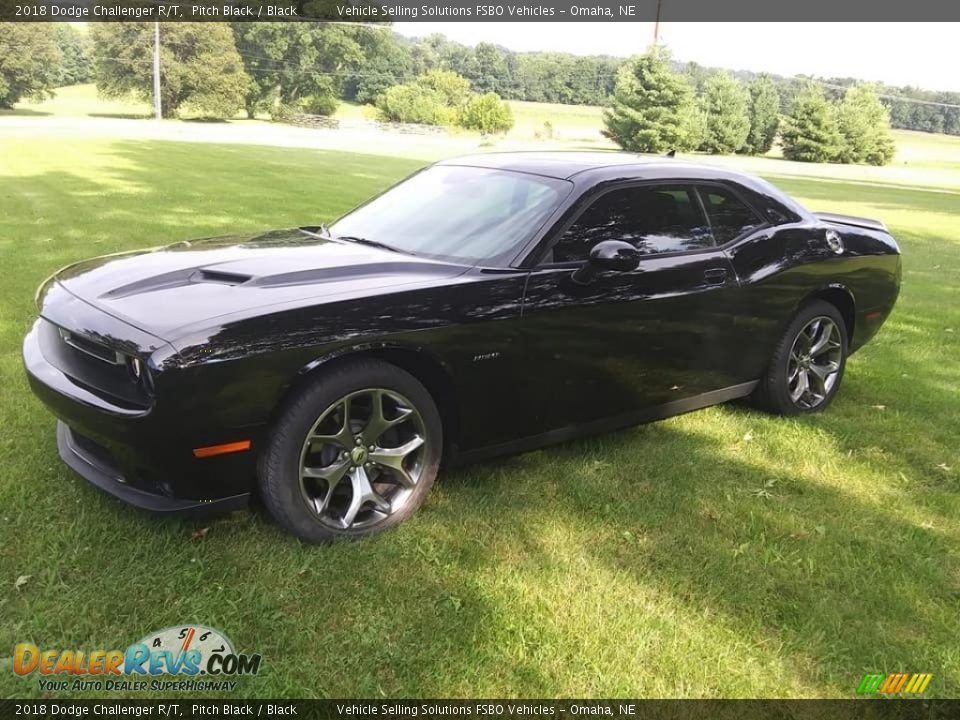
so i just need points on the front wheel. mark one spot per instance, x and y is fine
(807, 365)
(354, 454)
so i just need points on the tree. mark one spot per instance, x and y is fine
(810, 131)
(487, 113)
(865, 128)
(287, 61)
(454, 89)
(199, 65)
(652, 106)
(725, 104)
(491, 68)
(387, 61)
(76, 66)
(764, 115)
(29, 62)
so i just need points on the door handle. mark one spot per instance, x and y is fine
(715, 276)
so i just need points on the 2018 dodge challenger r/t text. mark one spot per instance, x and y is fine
(485, 305)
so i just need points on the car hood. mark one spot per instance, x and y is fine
(163, 290)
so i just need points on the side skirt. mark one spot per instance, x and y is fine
(605, 425)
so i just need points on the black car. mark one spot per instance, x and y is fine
(485, 305)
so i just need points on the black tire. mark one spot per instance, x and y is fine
(280, 469)
(773, 393)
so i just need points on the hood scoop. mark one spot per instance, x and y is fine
(223, 277)
(175, 279)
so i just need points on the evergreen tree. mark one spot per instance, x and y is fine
(652, 106)
(810, 131)
(764, 115)
(865, 128)
(725, 104)
(29, 62)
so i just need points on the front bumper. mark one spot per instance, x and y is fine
(99, 472)
(141, 455)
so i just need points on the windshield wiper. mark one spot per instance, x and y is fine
(372, 243)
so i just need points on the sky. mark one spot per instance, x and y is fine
(925, 55)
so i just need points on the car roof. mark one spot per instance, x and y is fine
(591, 168)
(564, 165)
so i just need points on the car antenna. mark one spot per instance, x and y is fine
(671, 154)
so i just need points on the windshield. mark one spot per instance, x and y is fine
(463, 214)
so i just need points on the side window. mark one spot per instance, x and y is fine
(729, 217)
(654, 219)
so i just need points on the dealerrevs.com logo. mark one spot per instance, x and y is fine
(186, 658)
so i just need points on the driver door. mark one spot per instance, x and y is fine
(626, 342)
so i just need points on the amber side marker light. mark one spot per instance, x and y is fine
(212, 450)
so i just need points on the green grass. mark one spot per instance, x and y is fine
(724, 552)
(570, 123)
(82, 100)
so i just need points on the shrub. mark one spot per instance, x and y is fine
(413, 103)
(454, 88)
(320, 105)
(283, 112)
(487, 113)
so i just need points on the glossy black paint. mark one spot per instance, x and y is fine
(517, 354)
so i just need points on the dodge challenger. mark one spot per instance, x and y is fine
(484, 305)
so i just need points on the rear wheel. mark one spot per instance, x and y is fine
(354, 454)
(807, 365)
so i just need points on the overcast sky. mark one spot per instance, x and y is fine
(921, 54)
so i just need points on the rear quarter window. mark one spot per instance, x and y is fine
(729, 216)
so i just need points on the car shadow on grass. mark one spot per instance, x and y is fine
(841, 584)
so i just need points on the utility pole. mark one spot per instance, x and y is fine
(656, 25)
(157, 110)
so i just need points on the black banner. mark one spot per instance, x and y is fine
(891, 709)
(373, 11)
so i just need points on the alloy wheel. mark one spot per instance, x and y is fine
(813, 366)
(362, 459)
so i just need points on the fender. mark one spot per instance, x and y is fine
(421, 362)
(837, 294)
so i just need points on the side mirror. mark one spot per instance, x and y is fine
(613, 255)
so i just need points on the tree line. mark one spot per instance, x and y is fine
(655, 109)
(276, 67)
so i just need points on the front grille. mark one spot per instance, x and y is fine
(94, 366)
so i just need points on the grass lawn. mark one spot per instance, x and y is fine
(724, 552)
(572, 123)
(80, 100)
